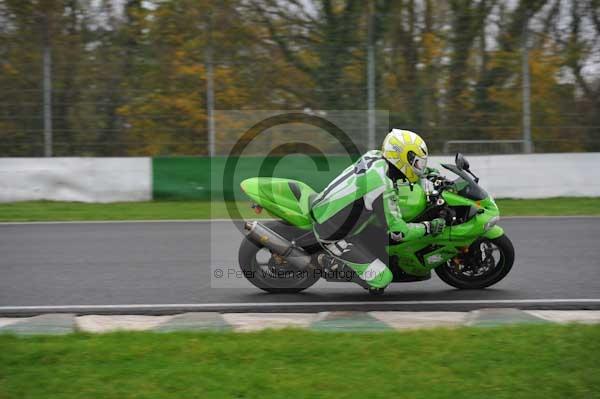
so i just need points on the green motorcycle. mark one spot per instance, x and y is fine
(471, 253)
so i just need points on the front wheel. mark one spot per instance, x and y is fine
(485, 263)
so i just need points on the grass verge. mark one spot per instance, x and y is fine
(161, 210)
(548, 361)
(550, 206)
(151, 210)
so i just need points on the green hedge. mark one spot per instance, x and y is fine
(201, 178)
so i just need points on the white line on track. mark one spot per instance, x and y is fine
(241, 305)
(240, 220)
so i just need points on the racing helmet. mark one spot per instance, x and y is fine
(406, 151)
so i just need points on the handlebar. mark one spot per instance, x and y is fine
(440, 183)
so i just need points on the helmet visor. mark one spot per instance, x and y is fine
(417, 163)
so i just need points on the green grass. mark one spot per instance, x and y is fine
(157, 210)
(550, 207)
(152, 210)
(511, 362)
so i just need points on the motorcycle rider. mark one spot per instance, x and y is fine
(348, 210)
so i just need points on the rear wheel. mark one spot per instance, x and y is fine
(487, 262)
(270, 272)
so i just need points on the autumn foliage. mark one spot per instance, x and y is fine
(129, 77)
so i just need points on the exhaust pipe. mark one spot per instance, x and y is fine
(295, 256)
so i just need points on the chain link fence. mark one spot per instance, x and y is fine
(145, 78)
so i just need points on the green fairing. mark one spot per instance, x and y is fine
(276, 196)
(457, 200)
(411, 200)
(494, 232)
(452, 238)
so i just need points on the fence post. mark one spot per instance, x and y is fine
(210, 91)
(47, 87)
(371, 78)
(527, 145)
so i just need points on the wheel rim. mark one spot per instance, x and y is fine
(276, 273)
(484, 259)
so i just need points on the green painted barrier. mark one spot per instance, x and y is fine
(203, 178)
(181, 178)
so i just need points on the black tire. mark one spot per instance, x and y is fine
(258, 274)
(503, 266)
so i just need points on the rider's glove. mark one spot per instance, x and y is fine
(434, 227)
(433, 175)
(431, 172)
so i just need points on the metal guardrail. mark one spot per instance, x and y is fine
(448, 143)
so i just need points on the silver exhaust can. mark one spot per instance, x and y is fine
(295, 256)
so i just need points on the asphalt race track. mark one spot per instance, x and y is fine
(175, 263)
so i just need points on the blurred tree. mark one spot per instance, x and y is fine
(323, 43)
(580, 46)
(173, 102)
(129, 77)
(21, 107)
(468, 18)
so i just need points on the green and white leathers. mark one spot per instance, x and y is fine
(363, 194)
(366, 179)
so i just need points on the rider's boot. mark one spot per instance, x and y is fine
(369, 271)
(332, 265)
(376, 291)
(329, 263)
(375, 274)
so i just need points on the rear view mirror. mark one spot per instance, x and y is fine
(461, 162)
